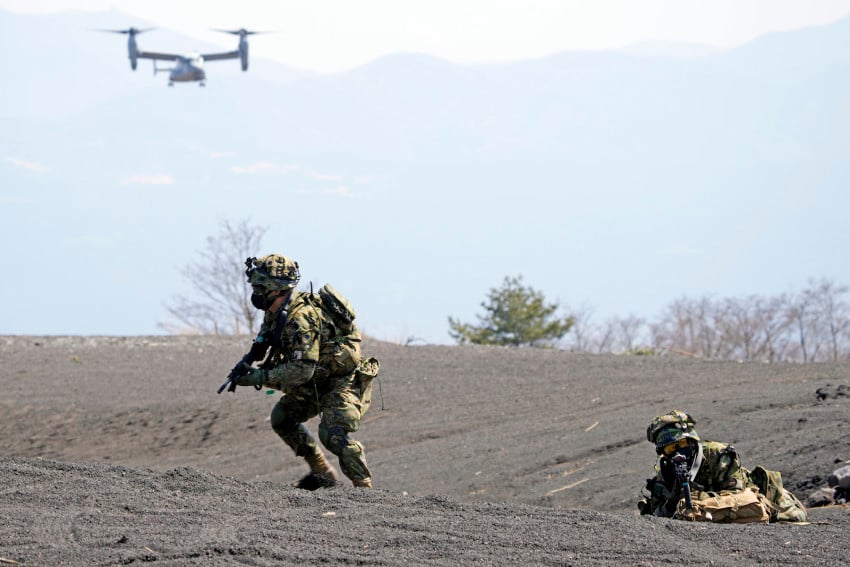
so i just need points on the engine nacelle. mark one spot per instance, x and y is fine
(132, 50)
(243, 53)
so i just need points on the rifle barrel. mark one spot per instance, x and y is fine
(223, 386)
(681, 464)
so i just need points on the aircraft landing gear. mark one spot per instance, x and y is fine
(170, 84)
(202, 84)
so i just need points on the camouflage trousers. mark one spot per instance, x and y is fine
(337, 399)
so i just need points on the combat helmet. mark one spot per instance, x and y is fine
(670, 428)
(272, 273)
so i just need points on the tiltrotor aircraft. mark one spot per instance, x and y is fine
(186, 68)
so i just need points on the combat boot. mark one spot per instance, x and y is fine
(321, 475)
(362, 482)
(320, 465)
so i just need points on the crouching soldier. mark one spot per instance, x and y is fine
(310, 350)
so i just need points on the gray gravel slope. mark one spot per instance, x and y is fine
(480, 454)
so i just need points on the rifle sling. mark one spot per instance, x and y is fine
(281, 321)
(692, 474)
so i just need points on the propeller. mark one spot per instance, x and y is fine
(129, 31)
(132, 49)
(243, 42)
(241, 32)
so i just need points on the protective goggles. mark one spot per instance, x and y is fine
(673, 447)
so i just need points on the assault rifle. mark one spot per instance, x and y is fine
(680, 464)
(243, 367)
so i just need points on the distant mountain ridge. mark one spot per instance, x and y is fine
(676, 50)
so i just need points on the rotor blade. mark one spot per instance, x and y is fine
(131, 31)
(240, 31)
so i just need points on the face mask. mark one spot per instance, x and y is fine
(261, 301)
(688, 452)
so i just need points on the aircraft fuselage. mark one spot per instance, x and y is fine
(187, 69)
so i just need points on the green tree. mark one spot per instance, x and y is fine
(514, 315)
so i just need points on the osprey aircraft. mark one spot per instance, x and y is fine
(189, 67)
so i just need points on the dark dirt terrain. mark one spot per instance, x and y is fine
(117, 450)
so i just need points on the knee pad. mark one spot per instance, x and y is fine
(352, 461)
(334, 437)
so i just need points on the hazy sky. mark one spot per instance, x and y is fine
(631, 238)
(331, 35)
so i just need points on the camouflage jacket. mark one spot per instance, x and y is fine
(715, 468)
(294, 351)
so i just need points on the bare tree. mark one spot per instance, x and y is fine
(833, 315)
(741, 325)
(605, 336)
(820, 321)
(773, 322)
(629, 330)
(677, 328)
(221, 303)
(581, 330)
(801, 313)
(689, 326)
(658, 337)
(810, 326)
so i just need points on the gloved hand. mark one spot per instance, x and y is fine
(256, 377)
(241, 369)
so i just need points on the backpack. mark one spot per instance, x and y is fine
(725, 507)
(339, 346)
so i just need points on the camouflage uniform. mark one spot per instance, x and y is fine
(718, 469)
(713, 467)
(312, 384)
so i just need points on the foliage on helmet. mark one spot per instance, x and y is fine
(669, 428)
(273, 272)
